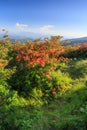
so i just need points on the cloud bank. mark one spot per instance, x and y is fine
(48, 30)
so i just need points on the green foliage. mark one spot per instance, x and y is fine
(3, 51)
(78, 69)
(40, 89)
(4, 76)
(14, 114)
(67, 112)
(39, 83)
(76, 51)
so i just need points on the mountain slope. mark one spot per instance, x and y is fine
(77, 40)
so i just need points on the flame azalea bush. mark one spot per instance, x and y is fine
(40, 83)
(34, 54)
(83, 50)
(71, 51)
(37, 73)
(75, 51)
(34, 62)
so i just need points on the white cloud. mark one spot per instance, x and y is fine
(47, 30)
(73, 34)
(21, 25)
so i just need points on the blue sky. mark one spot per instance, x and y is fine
(45, 17)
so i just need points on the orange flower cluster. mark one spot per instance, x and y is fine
(55, 90)
(3, 64)
(37, 54)
(83, 47)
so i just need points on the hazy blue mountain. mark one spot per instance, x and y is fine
(24, 36)
(32, 36)
(71, 41)
(80, 40)
(17, 38)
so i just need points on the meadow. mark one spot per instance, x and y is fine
(43, 85)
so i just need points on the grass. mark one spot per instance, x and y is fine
(68, 112)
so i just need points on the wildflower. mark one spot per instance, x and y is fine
(54, 89)
(50, 78)
(47, 73)
(62, 87)
(53, 92)
(26, 58)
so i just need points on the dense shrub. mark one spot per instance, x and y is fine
(76, 51)
(35, 69)
(14, 113)
(4, 76)
(46, 82)
(37, 73)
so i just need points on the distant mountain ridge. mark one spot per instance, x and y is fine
(23, 38)
(80, 40)
(17, 38)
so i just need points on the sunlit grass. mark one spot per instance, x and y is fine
(65, 113)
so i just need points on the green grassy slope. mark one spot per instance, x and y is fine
(69, 112)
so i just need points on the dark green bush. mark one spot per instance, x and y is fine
(39, 83)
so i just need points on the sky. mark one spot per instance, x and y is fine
(44, 17)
